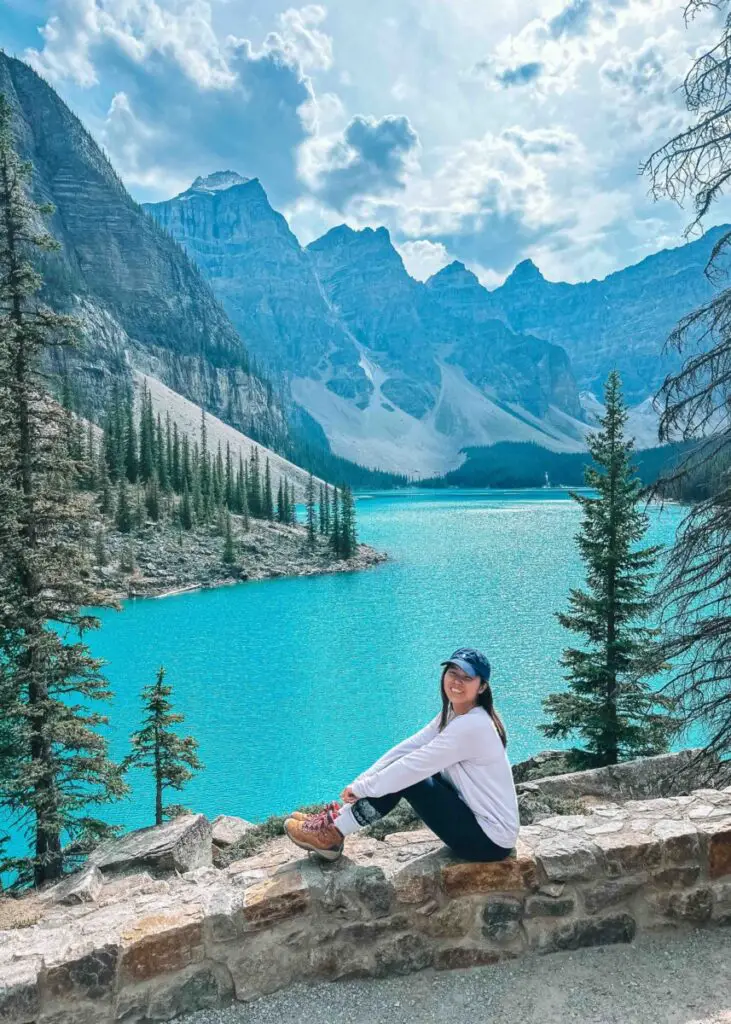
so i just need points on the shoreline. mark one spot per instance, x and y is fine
(160, 562)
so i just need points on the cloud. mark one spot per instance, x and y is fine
(370, 157)
(523, 74)
(300, 38)
(423, 258)
(185, 101)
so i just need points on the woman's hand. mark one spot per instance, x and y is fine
(348, 796)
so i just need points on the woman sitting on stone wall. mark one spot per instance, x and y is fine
(455, 774)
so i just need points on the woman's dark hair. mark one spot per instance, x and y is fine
(484, 700)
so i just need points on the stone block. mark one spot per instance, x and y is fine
(568, 858)
(275, 899)
(227, 830)
(20, 997)
(550, 906)
(501, 918)
(461, 878)
(695, 906)
(179, 845)
(681, 878)
(721, 912)
(612, 891)
(81, 974)
(374, 891)
(417, 882)
(161, 943)
(403, 954)
(271, 960)
(454, 921)
(629, 852)
(82, 887)
(716, 837)
(680, 844)
(457, 957)
(586, 931)
(200, 987)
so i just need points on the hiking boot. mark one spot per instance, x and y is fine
(316, 833)
(301, 816)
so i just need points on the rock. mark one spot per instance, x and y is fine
(160, 944)
(82, 887)
(456, 957)
(540, 766)
(695, 906)
(279, 897)
(227, 830)
(547, 906)
(460, 878)
(606, 894)
(198, 987)
(402, 955)
(648, 777)
(567, 858)
(179, 845)
(20, 997)
(587, 931)
(501, 916)
(717, 837)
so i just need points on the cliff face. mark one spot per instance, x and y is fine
(141, 301)
(263, 278)
(621, 321)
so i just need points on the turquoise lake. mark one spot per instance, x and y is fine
(293, 686)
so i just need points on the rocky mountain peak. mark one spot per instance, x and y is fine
(454, 275)
(525, 273)
(218, 181)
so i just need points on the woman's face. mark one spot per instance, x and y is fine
(459, 687)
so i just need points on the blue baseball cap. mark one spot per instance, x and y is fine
(471, 661)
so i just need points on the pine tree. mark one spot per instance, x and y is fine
(321, 510)
(147, 437)
(53, 759)
(349, 540)
(607, 703)
(91, 482)
(161, 464)
(204, 471)
(229, 486)
(123, 520)
(268, 496)
(336, 542)
(100, 551)
(310, 509)
(152, 499)
(229, 552)
(131, 461)
(175, 465)
(254, 494)
(186, 472)
(186, 513)
(156, 746)
(281, 504)
(292, 505)
(169, 452)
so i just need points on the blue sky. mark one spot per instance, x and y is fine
(483, 132)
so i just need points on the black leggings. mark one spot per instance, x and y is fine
(443, 810)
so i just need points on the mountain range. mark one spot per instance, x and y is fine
(404, 374)
(332, 350)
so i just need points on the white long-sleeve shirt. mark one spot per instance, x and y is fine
(470, 753)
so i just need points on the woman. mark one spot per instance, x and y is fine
(455, 774)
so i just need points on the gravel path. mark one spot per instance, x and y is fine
(665, 978)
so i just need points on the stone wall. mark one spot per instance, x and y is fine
(106, 947)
